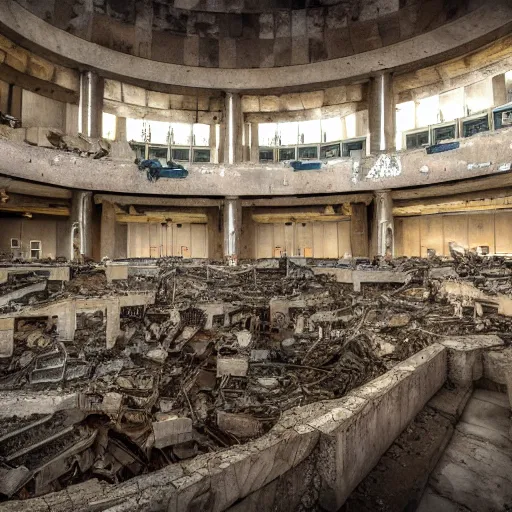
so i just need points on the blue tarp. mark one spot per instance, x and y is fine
(441, 148)
(299, 165)
(154, 170)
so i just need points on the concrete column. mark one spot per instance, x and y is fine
(384, 227)
(121, 135)
(499, 90)
(232, 229)
(255, 143)
(108, 230)
(359, 230)
(91, 104)
(221, 156)
(81, 225)
(381, 114)
(14, 101)
(214, 155)
(233, 121)
(247, 142)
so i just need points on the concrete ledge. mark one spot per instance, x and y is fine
(465, 356)
(402, 169)
(497, 364)
(22, 404)
(356, 434)
(66, 309)
(51, 272)
(346, 436)
(357, 277)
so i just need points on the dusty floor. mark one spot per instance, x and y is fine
(475, 472)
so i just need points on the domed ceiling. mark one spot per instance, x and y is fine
(246, 33)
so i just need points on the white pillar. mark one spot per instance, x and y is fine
(232, 229)
(384, 223)
(91, 104)
(381, 114)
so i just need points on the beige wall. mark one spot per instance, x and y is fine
(153, 240)
(320, 239)
(44, 230)
(414, 235)
(38, 110)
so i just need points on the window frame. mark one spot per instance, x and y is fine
(39, 250)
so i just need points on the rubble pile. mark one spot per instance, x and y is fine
(216, 360)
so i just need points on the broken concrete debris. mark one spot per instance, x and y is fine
(187, 358)
(170, 430)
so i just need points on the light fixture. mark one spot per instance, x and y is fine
(27, 215)
(329, 210)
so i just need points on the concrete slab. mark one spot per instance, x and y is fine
(475, 471)
(465, 360)
(450, 402)
(496, 364)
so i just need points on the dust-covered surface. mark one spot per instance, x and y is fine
(217, 359)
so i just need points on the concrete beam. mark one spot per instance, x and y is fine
(33, 189)
(127, 110)
(38, 86)
(341, 110)
(158, 201)
(309, 200)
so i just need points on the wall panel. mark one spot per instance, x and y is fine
(503, 226)
(330, 239)
(198, 236)
(264, 240)
(411, 236)
(344, 243)
(469, 230)
(481, 230)
(154, 240)
(455, 229)
(431, 230)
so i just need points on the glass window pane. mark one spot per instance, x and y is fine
(109, 126)
(330, 151)
(201, 155)
(158, 154)
(427, 111)
(309, 132)
(286, 154)
(134, 129)
(308, 152)
(287, 133)
(331, 129)
(266, 155)
(181, 133)
(451, 104)
(182, 155)
(349, 147)
(201, 134)
(267, 134)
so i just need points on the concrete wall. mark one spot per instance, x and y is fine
(414, 235)
(152, 240)
(38, 110)
(310, 239)
(26, 230)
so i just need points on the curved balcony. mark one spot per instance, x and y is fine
(481, 155)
